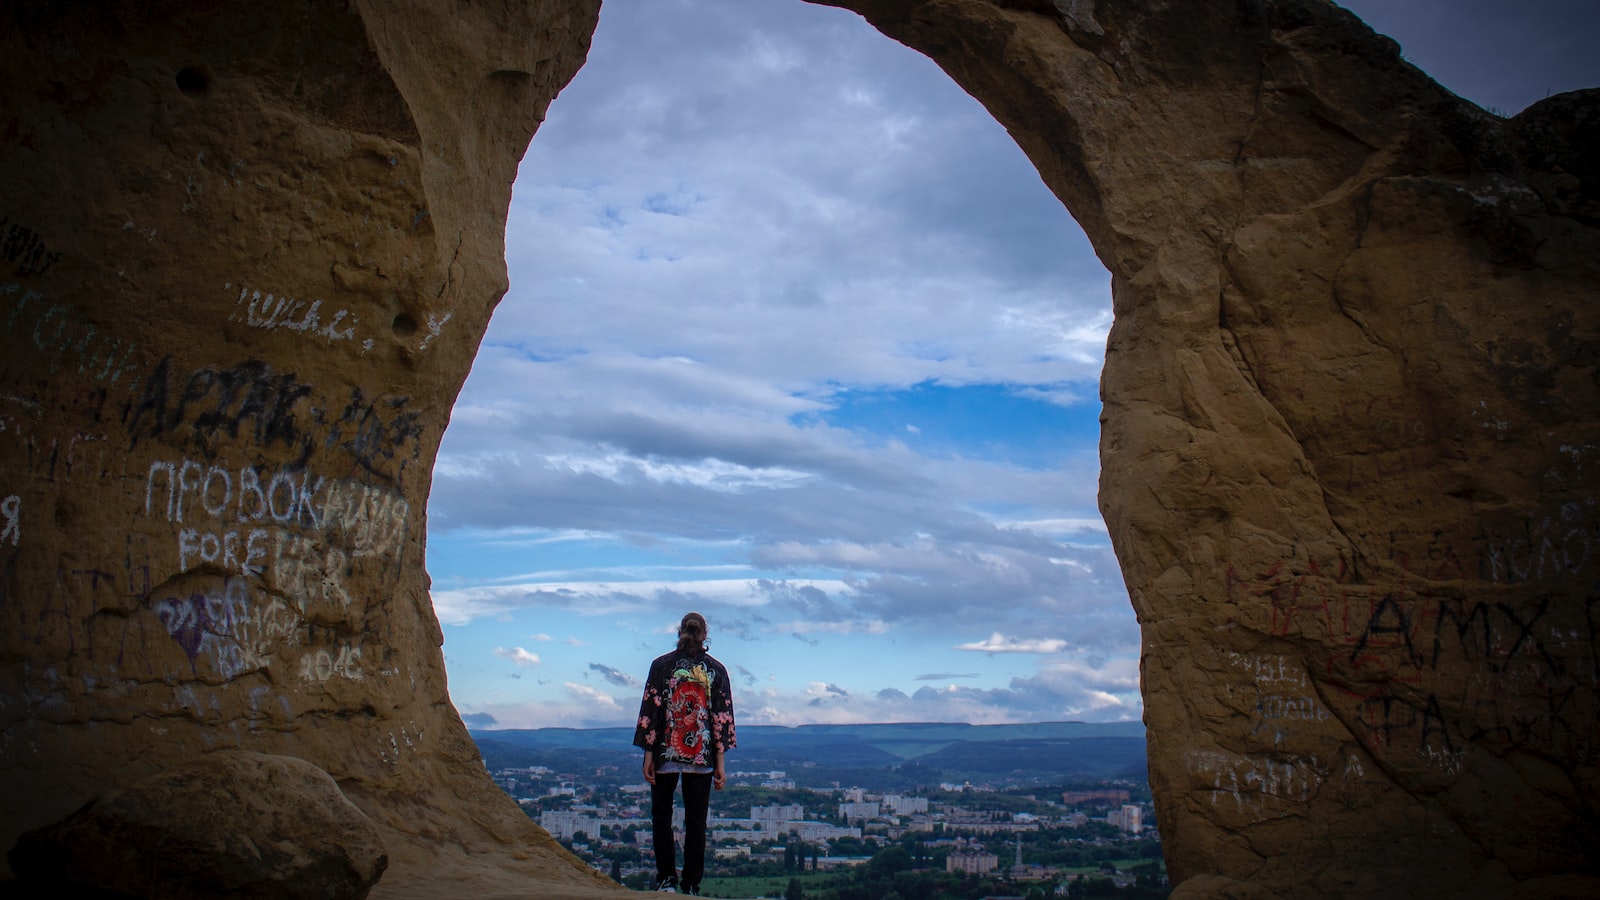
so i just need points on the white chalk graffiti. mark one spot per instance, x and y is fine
(435, 326)
(372, 520)
(300, 531)
(288, 498)
(1293, 706)
(282, 544)
(1250, 783)
(56, 333)
(323, 664)
(306, 570)
(236, 551)
(390, 745)
(11, 519)
(1282, 687)
(1447, 760)
(1353, 768)
(1269, 670)
(271, 313)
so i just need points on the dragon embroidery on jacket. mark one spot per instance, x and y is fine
(686, 714)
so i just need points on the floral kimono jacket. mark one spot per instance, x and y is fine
(686, 715)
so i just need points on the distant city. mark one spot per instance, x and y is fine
(1018, 833)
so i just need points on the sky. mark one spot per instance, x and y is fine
(797, 338)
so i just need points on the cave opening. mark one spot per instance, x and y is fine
(817, 353)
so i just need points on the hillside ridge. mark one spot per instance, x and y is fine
(1042, 748)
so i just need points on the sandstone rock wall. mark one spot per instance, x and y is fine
(248, 251)
(1351, 438)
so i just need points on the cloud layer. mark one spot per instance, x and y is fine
(796, 337)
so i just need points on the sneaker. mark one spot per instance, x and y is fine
(668, 885)
(692, 890)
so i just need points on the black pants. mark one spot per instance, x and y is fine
(696, 801)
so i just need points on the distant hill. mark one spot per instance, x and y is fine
(919, 752)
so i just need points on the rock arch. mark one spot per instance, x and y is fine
(1349, 451)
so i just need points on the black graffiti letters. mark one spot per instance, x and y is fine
(24, 248)
(249, 399)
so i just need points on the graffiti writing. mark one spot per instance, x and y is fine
(371, 520)
(1384, 713)
(1408, 628)
(1291, 706)
(57, 333)
(11, 519)
(1426, 656)
(267, 408)
(391, 745)
(1559, 545)
(301, 532)
(1405, 635)
(287, 498)
(269, 312)
(221, 403)
(324, 664)
(1277, 670)
(235, 632)
(24, 248)
(364, 431)
(435, 328)
(306, 569)
(1282, 689)
(237, 551)
(1251, 783)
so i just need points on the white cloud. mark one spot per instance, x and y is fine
(824, 690)
(571, 711)
(1086, 694)
(998, 643)
(869, 626)
(603, 598)
(1070, 690)
(593, 695)
(518, 655)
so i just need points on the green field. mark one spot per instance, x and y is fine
(1123, 865)
(769, 886)
(750, 888)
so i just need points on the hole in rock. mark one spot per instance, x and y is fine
(404, 325)
(193, 81)
(796, 338)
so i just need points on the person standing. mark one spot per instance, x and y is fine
(685, 727)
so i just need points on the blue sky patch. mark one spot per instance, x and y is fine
(997, 422)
